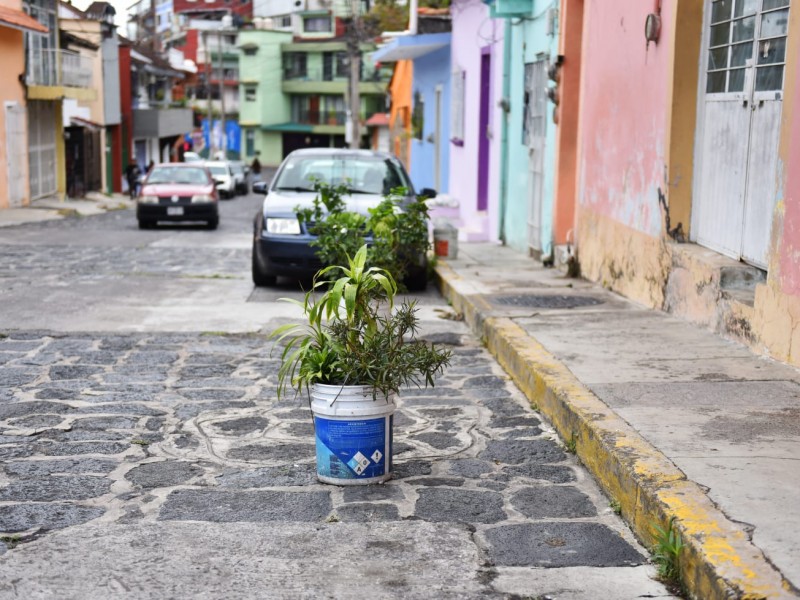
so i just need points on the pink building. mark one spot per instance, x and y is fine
(688, 195)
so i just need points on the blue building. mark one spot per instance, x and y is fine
(430, 91)
(527, 170)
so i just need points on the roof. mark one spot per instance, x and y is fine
(70, 39)
(410, 47)
(16, 19)
(98, 10)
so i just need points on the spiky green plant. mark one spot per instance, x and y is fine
(354, 335)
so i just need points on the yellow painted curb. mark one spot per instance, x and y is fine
(718, 561)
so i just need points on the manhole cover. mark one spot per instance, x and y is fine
(529, 301)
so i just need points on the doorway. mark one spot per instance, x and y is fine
(741, 96)
(483, 129)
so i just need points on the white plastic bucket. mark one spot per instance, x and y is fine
(445, 240)
(353, 433)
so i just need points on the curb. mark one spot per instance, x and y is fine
(718, 560)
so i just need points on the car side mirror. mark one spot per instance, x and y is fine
(427, 193)
(260, 187)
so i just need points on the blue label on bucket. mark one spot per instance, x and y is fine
(351, 449)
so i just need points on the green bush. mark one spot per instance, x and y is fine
(396, 229)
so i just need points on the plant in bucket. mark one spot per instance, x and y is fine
(353, 355)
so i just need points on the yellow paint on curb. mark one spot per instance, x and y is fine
(719, 561)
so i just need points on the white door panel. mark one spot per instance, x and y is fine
(744, 50)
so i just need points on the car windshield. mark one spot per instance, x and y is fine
(218, 170)
(361, 174)
(188, 175)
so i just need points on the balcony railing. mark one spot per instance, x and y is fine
(59, 67)
(294, 74)
(320, 117)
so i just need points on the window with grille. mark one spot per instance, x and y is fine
(742, 36)
(317, 24)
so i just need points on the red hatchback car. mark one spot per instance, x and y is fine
(178, 192)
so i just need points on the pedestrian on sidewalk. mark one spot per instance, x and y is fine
(132, 175)
(255, 167)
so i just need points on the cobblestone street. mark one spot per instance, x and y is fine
(137, 450)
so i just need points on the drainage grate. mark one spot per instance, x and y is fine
(556, 301)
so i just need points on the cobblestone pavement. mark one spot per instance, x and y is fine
(147, 434)
(126, 429)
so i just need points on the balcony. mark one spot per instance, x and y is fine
(53, 74)
(320, 81)
(161, 122)
(320, 117)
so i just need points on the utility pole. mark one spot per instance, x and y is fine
(223, 138)
(354, 52)
(208, 95)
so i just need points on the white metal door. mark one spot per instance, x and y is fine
(737, 150)
(533, 131)
(42, 148)
(15, 150)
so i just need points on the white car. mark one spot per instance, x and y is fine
(223, 177)
(240, 175)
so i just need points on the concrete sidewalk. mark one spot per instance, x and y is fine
(672, 420)
(50, 209)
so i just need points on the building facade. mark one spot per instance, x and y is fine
(14, 26)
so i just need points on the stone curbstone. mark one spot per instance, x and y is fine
(719, 560)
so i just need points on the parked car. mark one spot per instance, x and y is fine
(177, 192)
(240, 176)
(190, 157)
(223, 176)
(281, 242)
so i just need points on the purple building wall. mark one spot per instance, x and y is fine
(477, 40)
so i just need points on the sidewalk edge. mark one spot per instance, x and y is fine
(719, 561)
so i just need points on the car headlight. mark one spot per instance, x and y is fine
(203, 198)
(148, 199)
(283, 226)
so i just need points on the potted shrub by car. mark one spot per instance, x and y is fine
(354, 353)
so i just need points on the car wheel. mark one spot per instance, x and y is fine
(213, 223)
(417, 280)
(260, 278)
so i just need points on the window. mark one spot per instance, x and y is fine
(250, 142)
(342, 64)
(294, 65)
(418, 116)
(250, 93)
(457, 107)
(285, 21)
(317, 24)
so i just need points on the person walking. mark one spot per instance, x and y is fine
(255, 167)
(132, 175)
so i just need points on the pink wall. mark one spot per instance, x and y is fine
(789, 273)
(473, 30)
(624, 109)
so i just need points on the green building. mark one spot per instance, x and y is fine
(294, 93)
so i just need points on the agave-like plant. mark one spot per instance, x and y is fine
(354, 336)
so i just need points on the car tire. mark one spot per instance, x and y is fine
(417, 280)
(261, 279)
(213, 224)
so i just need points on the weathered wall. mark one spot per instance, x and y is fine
(473, 31)
(777, 304)
(622, 157)
(529, 43)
